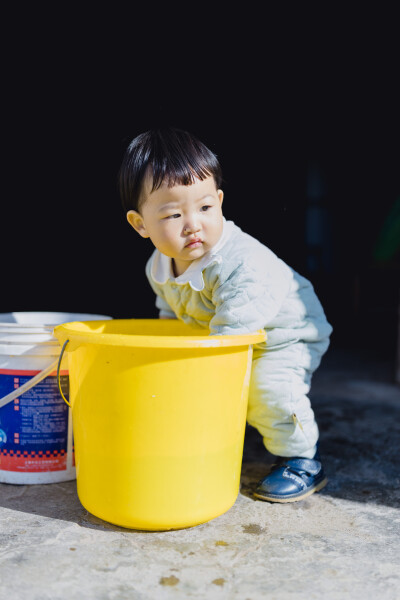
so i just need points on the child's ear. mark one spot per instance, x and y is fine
(220, 196)
(136, 221)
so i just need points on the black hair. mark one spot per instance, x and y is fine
(170, 155)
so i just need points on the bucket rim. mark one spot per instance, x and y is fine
(70, 331)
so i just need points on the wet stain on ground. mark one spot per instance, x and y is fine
(172, 580)
(253, 528)
(219, 581)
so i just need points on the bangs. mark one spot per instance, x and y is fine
(183, 175)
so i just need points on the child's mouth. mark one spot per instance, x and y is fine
(194, 244)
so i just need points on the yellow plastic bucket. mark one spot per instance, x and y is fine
(159, 414)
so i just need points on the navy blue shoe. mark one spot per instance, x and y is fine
(292, 479)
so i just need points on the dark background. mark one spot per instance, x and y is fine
(302, 112)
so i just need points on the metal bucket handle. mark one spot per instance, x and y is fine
(58, 372)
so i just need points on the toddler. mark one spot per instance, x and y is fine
(207, 272)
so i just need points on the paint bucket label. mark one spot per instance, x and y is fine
(34, 426)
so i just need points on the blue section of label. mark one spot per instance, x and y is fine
(37, 420)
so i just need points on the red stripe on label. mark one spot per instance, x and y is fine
(27, 464)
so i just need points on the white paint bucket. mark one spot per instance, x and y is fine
(36, 441)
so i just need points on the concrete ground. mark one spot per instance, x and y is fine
(341, 543)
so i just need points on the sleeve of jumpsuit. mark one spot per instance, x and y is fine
(164, 308)
(247, 299)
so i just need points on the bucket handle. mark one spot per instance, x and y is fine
(28, 385)
(58, 372)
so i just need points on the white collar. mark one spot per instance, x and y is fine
(161, 265)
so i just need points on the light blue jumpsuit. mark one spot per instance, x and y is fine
(241, 286)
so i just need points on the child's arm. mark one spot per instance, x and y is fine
(164, 308)
(248, 298)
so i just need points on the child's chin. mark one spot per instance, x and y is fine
(194, 253)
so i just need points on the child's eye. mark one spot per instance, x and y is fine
(175, 216)
(205, 207)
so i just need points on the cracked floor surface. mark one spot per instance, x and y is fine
(341, 543)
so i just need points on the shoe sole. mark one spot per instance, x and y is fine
(295, 497)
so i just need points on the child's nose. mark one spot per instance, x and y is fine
(191, 226)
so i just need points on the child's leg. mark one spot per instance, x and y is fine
(278, 403)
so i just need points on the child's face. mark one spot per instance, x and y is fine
(183, 222)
